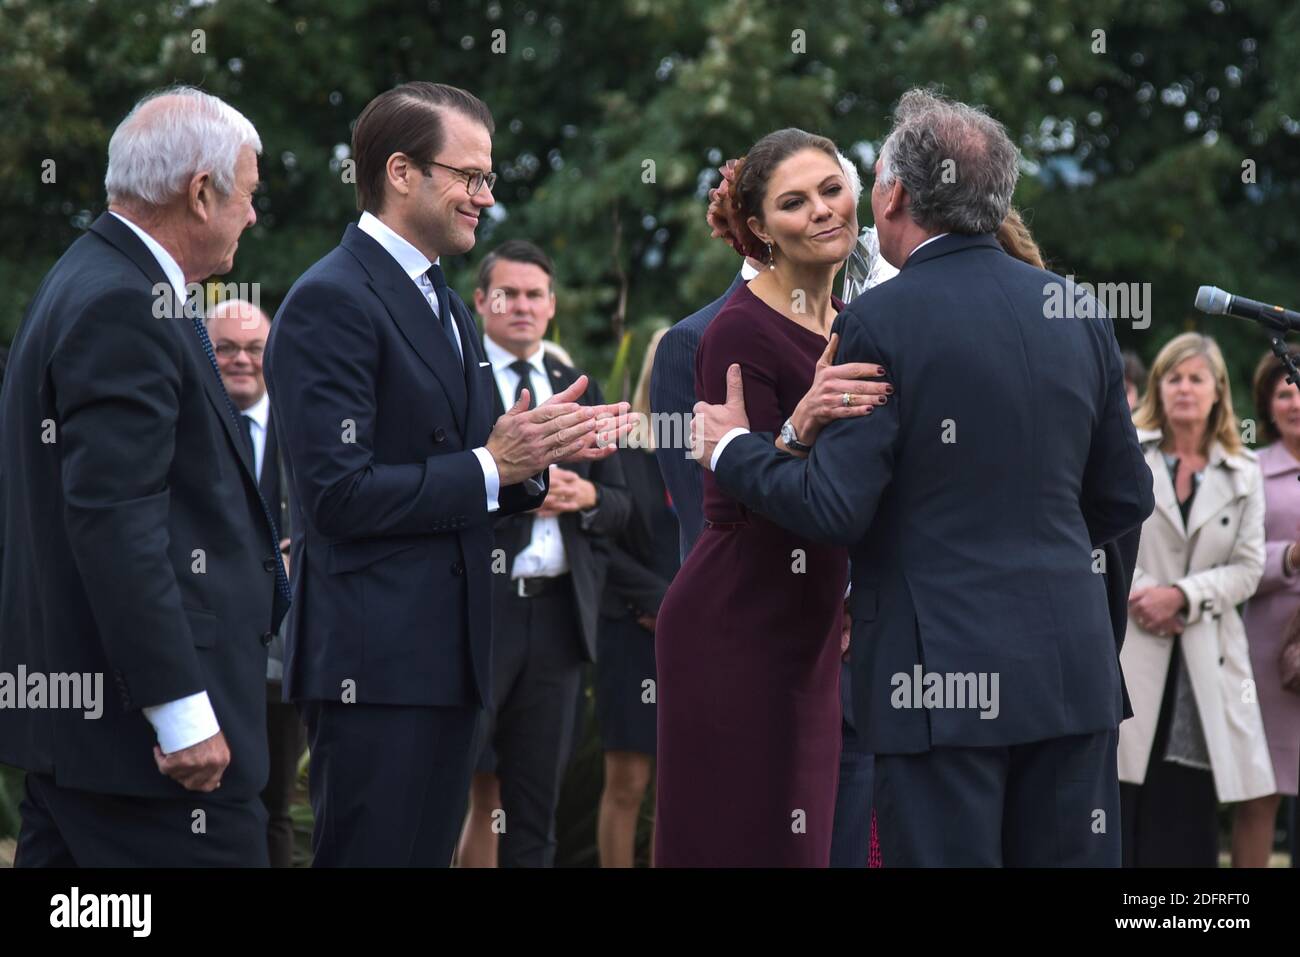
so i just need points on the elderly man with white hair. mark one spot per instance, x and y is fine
(137, 544)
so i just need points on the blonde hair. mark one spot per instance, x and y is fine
(642, 428)
(1222, 422)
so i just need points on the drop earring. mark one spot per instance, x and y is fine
(771, 260)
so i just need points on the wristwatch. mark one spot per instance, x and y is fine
(791, 439)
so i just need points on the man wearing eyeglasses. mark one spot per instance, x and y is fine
(383, 399)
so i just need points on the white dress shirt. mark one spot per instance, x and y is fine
(186, 721)
(258, 413)
(726, 439)
(415, 264)
(544, 556)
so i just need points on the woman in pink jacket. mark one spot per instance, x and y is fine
(1277, 405)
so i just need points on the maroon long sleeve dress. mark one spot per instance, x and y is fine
(748, 643)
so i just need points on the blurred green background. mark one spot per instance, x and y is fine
(1161, 142)
(1133, 153)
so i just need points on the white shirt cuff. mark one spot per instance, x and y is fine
(491, 477)
(183, 723)
(717, 452)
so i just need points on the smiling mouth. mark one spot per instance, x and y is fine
(472, 219)
(829, 232)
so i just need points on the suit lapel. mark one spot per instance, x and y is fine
(413, 317)
(216, 393)
(480, 381)
(1218, 487)
(558, 375)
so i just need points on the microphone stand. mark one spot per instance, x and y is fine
(1284, 355)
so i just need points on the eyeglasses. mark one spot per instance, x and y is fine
(474, 178)
(228, 350)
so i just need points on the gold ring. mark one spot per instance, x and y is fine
(846, 399)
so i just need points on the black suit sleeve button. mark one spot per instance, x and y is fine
(267, 638)
(458, 568)
(269, 565)
(439, 434)
(1225, 520)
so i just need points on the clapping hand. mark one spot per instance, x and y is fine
(525, 441)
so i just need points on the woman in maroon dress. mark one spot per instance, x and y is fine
(748, 642)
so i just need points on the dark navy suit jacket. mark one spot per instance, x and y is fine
(672, 390)
(392, 539)
(136, 547)
(971, 501)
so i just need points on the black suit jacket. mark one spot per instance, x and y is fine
(639, 573)
(584, 538)
(672, 391)
(135, 543)
(971, 501)
(392, 537)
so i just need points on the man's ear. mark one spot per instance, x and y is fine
(199, 195)
(897, 198)
(398, 171)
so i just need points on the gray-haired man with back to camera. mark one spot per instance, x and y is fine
(971, 524)
(136, 543)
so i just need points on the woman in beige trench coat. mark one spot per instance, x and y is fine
(1196, 733)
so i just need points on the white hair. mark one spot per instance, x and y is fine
(851, 174)
(157, 149)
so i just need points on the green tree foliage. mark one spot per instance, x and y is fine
(1138, 120)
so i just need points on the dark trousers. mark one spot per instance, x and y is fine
(1171, 819)
(1052, 803)
(63, 827)
(528, 735)
(851, 829)
(285, 738)
(388, 783)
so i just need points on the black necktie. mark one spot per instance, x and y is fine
(439, 281)
(521, 369)
(246, 427)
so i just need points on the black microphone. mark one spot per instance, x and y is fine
(1216, 302)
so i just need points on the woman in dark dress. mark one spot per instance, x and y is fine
(643, 559)
(748, 639)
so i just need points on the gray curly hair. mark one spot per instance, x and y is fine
(956, 162)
